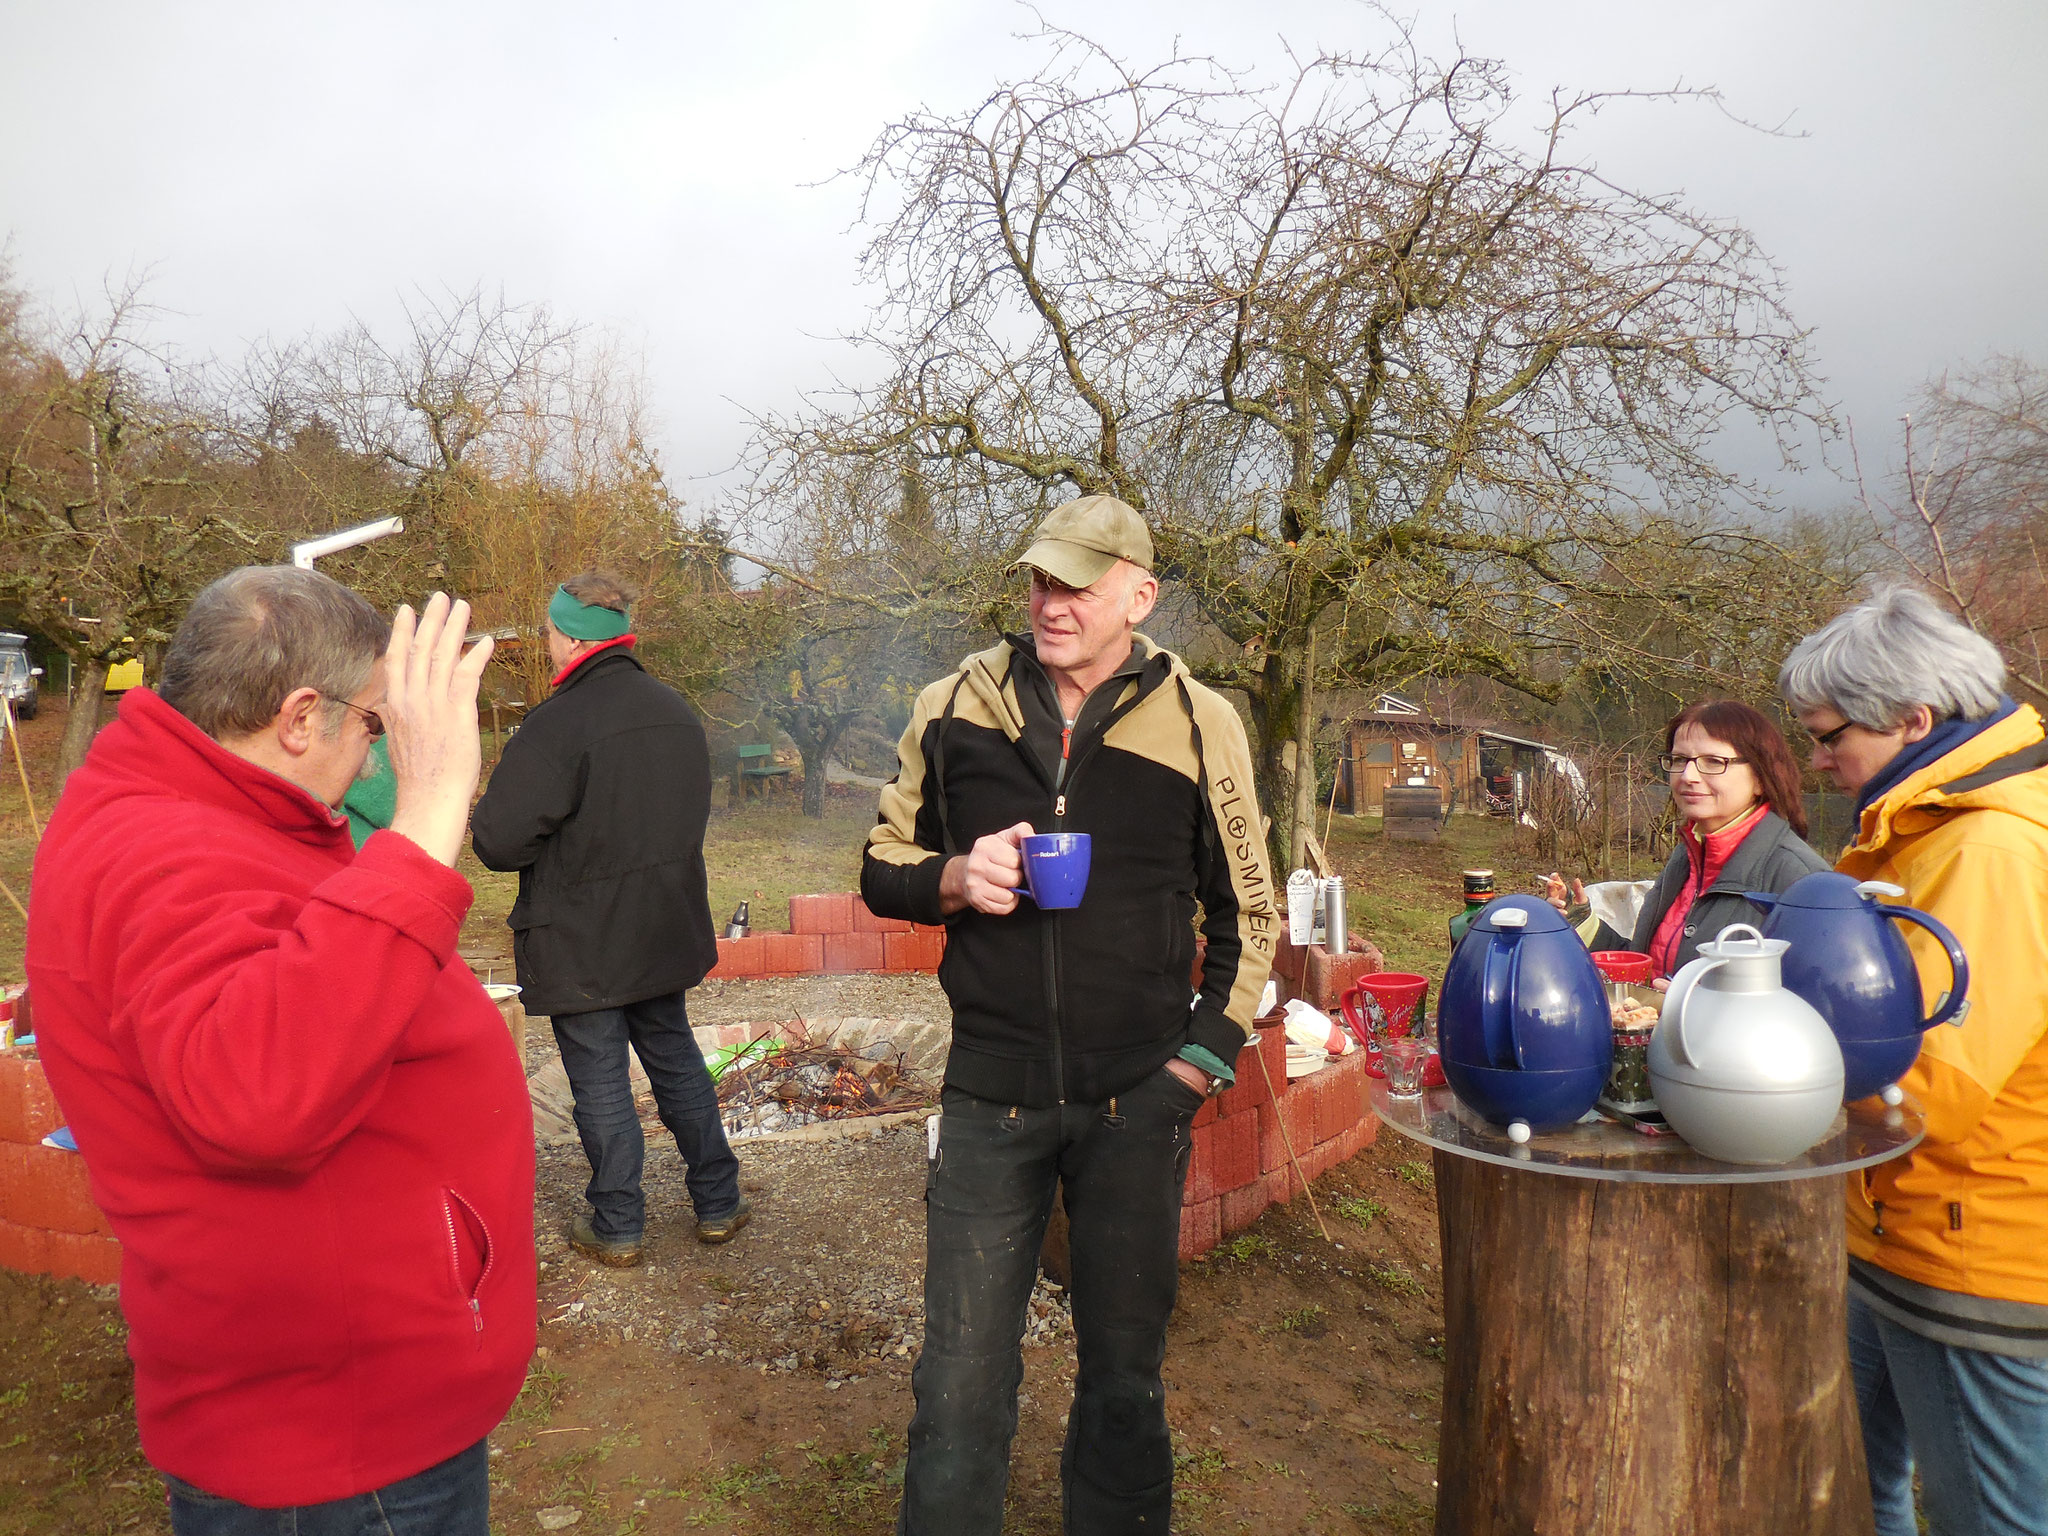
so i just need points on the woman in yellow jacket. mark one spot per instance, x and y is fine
(1948, 1268)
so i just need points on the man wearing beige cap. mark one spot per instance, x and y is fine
(1077, 1061)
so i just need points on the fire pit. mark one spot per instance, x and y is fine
(780, 1083)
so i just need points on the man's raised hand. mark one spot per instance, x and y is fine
(430, 722)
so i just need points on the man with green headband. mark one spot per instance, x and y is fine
(600, 803)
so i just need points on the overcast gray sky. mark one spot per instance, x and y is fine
(654, 168)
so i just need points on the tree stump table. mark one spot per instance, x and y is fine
(1639, 1339)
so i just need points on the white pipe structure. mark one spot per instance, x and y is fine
(306, 552)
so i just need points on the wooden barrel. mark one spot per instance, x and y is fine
(1414, 812)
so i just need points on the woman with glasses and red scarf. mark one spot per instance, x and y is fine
(1742, 827)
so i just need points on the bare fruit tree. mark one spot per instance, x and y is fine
(1403, 390)
(117, 507)
(1969, 517)
(512, 443)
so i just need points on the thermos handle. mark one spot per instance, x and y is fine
(1679, 999)
(1952, 1006)
(1497, 1002)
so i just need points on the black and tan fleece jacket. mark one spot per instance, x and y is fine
(1082, 1004)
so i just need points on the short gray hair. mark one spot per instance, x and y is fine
(258, 633)
(1886, 657)
(602, 589)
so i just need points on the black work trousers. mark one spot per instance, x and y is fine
(1121, 1164)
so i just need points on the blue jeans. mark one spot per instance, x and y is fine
(1974, 1423)
(453, 1499)
(594, 1055)
(1122, 1165)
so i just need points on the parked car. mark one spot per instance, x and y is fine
(18, 683)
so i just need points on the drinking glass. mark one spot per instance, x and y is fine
(1406, 1058)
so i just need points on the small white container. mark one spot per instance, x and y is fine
(1302, 908)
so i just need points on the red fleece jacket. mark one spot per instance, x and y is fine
(302, 1116)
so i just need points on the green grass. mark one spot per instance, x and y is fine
(1395, 1278)
(1362, 1209)
(761, 854)
(765, 853)
(1401, 896)
(1247, 1247)
(1416, 1175)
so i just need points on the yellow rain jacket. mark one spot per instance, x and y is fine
(1967, 1209)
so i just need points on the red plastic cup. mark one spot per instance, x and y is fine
(1623, 965)
(1389, 1006)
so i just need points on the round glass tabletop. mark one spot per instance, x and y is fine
(1865, 1132)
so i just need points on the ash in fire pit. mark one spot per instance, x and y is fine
(781, 1084)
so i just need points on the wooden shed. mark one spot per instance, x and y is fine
(1475, 767)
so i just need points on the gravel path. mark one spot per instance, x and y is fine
(912, 998)
(828, 1279)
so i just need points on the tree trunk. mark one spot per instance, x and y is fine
(1302, 807)
(1276, 712)
(814, 780)
(815, 736)
(83, 722)
(1636, 1357)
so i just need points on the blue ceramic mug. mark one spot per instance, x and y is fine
(1055, 868)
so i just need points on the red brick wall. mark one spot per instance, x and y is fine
(48, 1223)
(1241, 1164)
(832, 935)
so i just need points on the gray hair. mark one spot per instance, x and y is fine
(602, 589)
(1886, 657)
(260, 632)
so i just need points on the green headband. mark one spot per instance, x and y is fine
(585, 621)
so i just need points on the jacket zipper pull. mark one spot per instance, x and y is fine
(1059, 806)
(476, 1311)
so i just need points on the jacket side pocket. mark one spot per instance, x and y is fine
(470, 1253)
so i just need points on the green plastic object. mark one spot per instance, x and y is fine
(726, 1057)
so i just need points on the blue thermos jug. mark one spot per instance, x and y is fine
(1849, 960)
(1524, 1028)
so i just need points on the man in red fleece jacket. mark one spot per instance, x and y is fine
(302, 1116)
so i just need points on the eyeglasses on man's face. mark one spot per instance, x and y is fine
(372, 721)
(1712, 765)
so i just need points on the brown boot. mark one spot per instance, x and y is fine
(618, 1253)
(722, 1230)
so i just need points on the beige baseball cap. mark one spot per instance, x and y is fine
(1078, 542)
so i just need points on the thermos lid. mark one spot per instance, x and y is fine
(1826, 891)
(1523, 914)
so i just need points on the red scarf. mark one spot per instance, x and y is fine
(1709, 856)
(598, 651)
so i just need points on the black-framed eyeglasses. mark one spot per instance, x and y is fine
(372, 721)
(1829, 738)
(1712, 765)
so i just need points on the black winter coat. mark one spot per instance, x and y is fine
(1080, 1005)
(600, 803)
(1771, 858)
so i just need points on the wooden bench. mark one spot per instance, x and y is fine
(757, 769)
